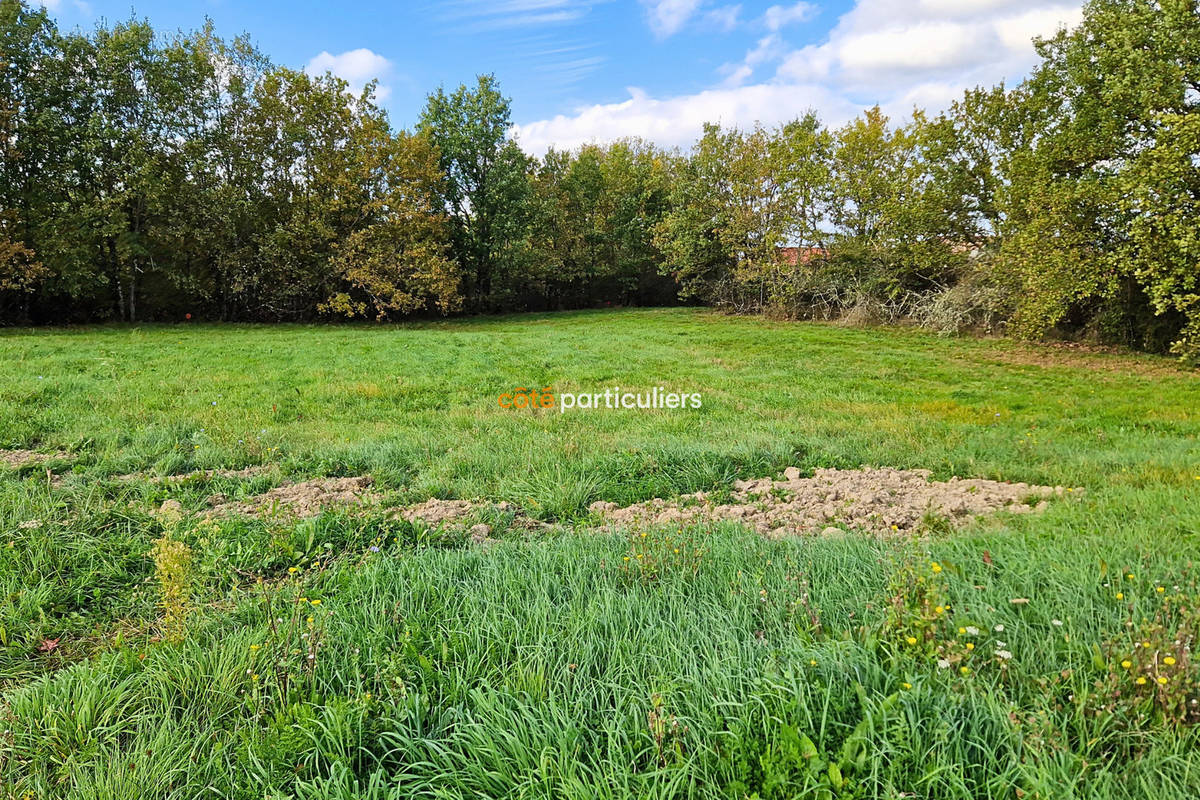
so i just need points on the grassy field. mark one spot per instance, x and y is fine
(354, 655)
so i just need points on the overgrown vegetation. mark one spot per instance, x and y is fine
(147, 177)
(354, 654)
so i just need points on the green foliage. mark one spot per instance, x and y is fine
(594, 212)
(146, 176)
(1096, 194)
(485, 189)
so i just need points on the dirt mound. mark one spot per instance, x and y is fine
(881, 500)
(304, 499)
(15, 459)
(435, 512)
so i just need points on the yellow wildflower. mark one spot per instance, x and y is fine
(1169, 661)
(911, 640)
(1127, 663)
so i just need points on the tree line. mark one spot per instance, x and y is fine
(146, 176)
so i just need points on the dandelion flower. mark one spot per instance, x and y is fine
(1127, 663)
(1169, 661)
(970, 646)
(812, 662)
(936, 567)
(912, 640)
(961, 631)
(906, 685)
(940, 609)
(1162, 681)
(964, 670)
(292, 570)
(1129, 577)
(316, 602)
(1140, 681)
(254, 647)
(1120, 595)
(1161, 589)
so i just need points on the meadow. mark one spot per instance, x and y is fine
(148, 652)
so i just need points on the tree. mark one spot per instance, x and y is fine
(743, 196)
(31, 135)
(397, 262)
(593, 215)
(1108, 110)
(485, 190)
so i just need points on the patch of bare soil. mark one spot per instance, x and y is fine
(198, 475)
(832, 500)
(435, 512)
(438, 513)
(303, 499)
(15, 459)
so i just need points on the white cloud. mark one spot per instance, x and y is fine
(666, 17)
(677, 121)
(895, 53)
(355, 67)
(777, 17)
(491, 14)
(724, 18)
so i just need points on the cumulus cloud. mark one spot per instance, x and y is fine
(355, 67)
(895, 53)
(676, 121)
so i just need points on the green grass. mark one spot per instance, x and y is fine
(547, 665)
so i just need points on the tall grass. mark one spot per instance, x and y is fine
(354, 655)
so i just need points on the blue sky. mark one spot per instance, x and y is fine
(582, 71)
